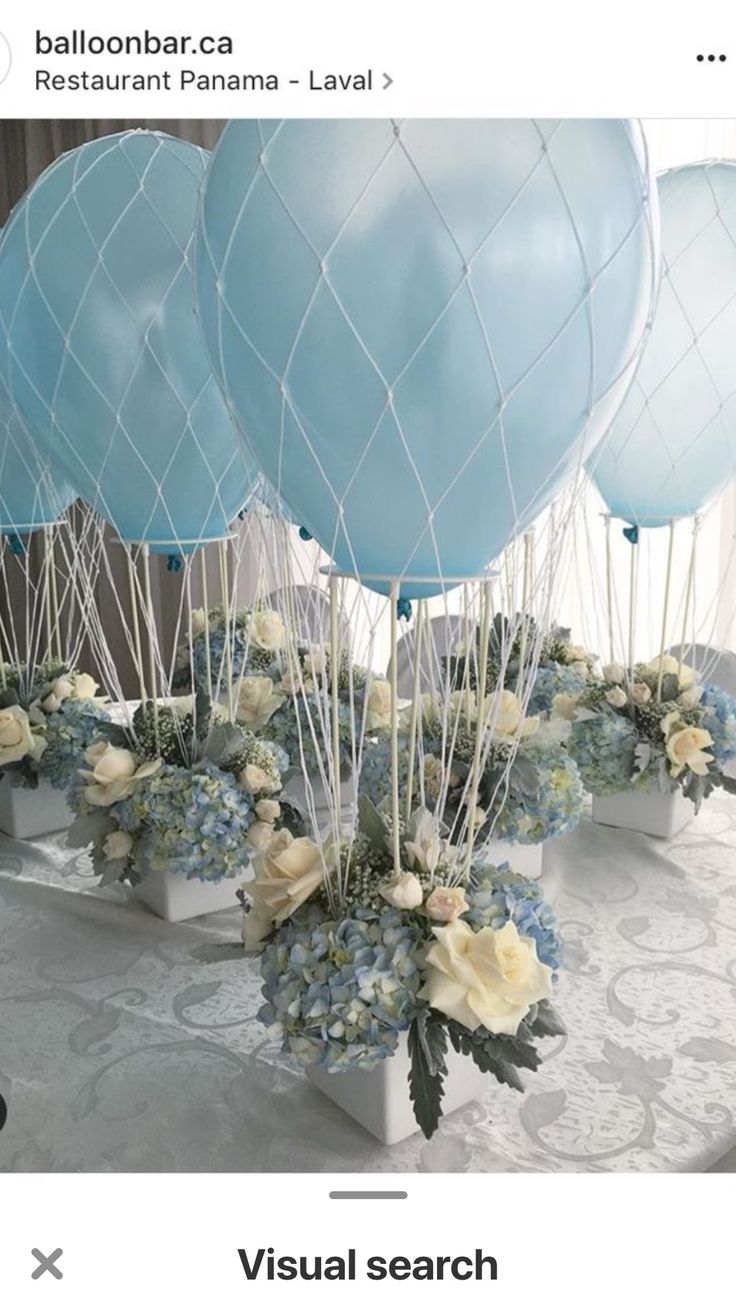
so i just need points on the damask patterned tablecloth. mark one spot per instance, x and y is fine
(129, 1044)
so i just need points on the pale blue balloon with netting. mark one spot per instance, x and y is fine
(672, 447)
(31, 494)
(425, 327)
(105, 359)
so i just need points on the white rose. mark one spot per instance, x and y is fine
(315, 661)
(616, 697)
(60, 690)
(287, 873)
(198, 620)
(576, 654)
(261, 835)
(670, 667)
(685, 746)
(405, 892)
(564, 706)
(256, 780)
(613, 673)
(423, 847)
(257, 702)
(446, 903)
(640, 693)
(503, 713)
(268, 810)
(85, 687)
(16, 737)
(378, 708)
(113, 773)
(579, 666)
(117, 845)
(489, 978)
(267, 631)
(692, 697)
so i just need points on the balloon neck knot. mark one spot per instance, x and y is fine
(17, 545)
(403, 609)
(632, 535)
(173, 563)
(304, 535)
(242, 515)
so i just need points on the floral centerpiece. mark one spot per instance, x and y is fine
(49, 715)
(561, 666)
(633, 733)
(529, 791)
(355, 955)
(246, 641)
(180, 791)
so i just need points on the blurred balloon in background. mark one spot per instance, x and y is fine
(672, 447)
(105, 357)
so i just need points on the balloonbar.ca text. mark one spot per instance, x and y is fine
(80, 42)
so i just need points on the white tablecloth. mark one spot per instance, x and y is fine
(130, 1044)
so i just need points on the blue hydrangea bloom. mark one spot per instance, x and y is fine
(495, 899)
(551, 808)
(188, 821)
(556, 679)
(603, 748)
(340, 993)
(719, 718)
(68, 733)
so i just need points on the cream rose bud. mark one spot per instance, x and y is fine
(672, 667)
(378, 708)
(403, 893)
(267, 630)
(85, 687)
(261, 835)
(613, 673)
(446, 903)
(692, 697)
(117, 845)
(575, 654)
(198, 620)
(564, 706)
(255, 779)
(112, 773)
(640, 693)
(489, 978)
(16, 737)
(268, 810)
(60, 690)
(616, 697)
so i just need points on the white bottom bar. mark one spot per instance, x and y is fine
(27, 812)
(656, 813)
(379, 1099)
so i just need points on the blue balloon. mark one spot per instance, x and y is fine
(106, 359)
(672, 447)
(30, 495)
(424, 327)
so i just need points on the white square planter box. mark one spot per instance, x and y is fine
(379, 1099)
(656, 813)
(524, 859)
(176, 898)
(27, 812)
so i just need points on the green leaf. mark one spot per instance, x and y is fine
(225, 740)
(670, 686)
(433, 1037)
(89, 829)
(371, 823)
(425, 1086)
(497, 1055)
(546, 1021)
(8, 697)
(203, 714)
(115, 734)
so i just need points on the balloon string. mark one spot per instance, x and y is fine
(665, 608)
(206, 630)
(136, 626)
(394, 682)
(633, 577)
(416, 707)
(609, 589)
(335, 708)
(688, 595)
(151, 623)
(485, 632)
(525, 600)
(46, 584)
(225, 591)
